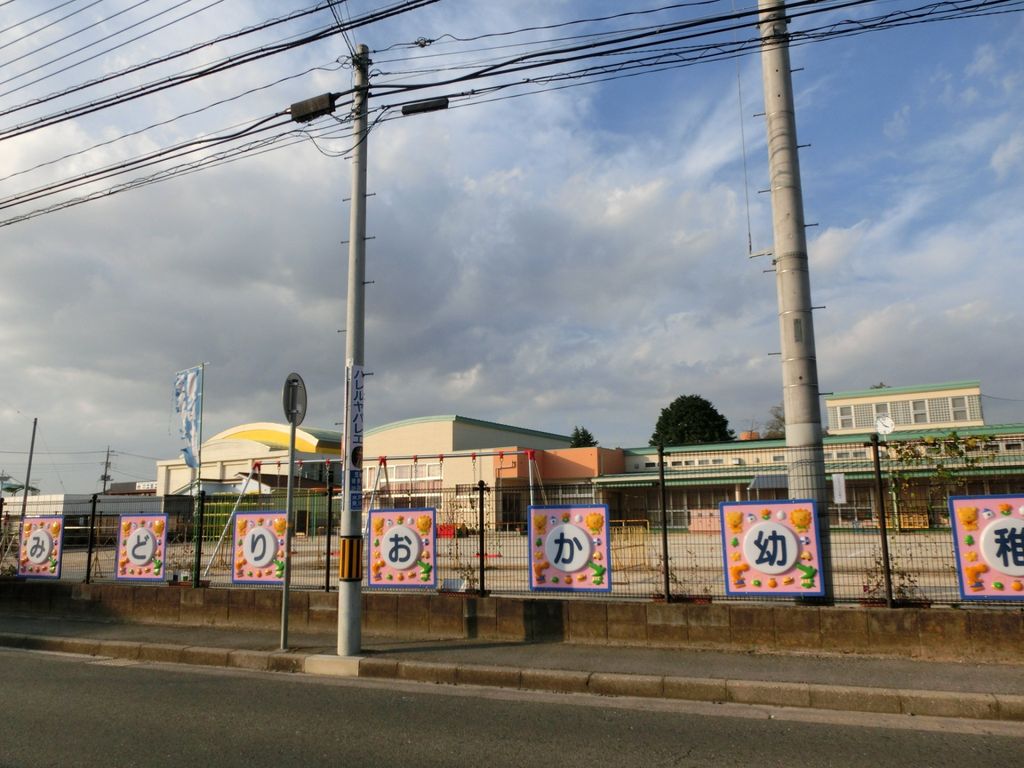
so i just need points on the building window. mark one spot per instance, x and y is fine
(703, 462)
(718, 461)
(677, 463)
(1012, 446)
(958, 408)
(846, 417)
(650, 464)
(778, 457)
(919, 411)
(881, 409)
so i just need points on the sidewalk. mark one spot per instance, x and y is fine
(850, 683)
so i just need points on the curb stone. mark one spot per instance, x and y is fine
(974, 706)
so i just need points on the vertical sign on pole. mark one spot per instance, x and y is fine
(350, 534)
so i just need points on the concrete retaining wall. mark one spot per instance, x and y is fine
(936, 633)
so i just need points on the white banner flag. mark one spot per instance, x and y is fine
(188, 398)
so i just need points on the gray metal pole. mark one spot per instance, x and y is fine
(664, 523)
(883, 531)
(28, 472)
(793, 285)
(350, 517)
(289, 496)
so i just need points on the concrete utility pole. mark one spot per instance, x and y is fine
(351, 517)
(796, 325)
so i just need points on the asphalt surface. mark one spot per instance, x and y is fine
(835, 682)
(90, 712)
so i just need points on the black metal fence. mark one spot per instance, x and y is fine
(665, 532)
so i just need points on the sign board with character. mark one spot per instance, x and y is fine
(771, 548)
(988, 539)
(570, 548)
(41, 548)
(403, 546)
(259, 542)
(141, 547)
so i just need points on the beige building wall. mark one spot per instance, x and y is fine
(224, 459)
(935, 406)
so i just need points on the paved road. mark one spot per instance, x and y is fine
(65, 710)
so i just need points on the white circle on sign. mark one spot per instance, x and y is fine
(884, 425)
(140, 546)
(1002, 546)
(40, 546)
(400, 547)
(771, 548)
(568, 548)
(259, 547)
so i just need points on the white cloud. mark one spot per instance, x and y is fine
(984, 62)
(896, 126)
(1008, 156)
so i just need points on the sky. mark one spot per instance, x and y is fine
(570, 256)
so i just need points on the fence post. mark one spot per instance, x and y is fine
(92, 528)
(330, 525)
(882, 526)
(198, 538)
(664, 522)
(481, 487)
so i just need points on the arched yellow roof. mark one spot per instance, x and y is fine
(276, 437)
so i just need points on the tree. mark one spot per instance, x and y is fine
(775, 427)
(582, 438)
(690, 419)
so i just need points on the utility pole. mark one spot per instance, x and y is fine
(350, 516)
(805, 457)
(105, 477)
(350, 529)
(28, 472)
(793, 285)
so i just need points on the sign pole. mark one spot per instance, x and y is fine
(295, 412)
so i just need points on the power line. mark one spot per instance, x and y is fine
(79, 31)
(141, 161)
(112, 75)
(181, 78)
(175, 119)
(650, 61)
(53, 23)
(33, 18)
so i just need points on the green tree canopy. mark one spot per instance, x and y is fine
(690, 419)
(582, 438)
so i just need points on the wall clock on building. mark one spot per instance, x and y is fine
(884, 425)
